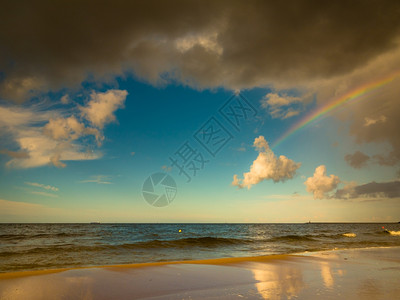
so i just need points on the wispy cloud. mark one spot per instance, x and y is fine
(44, 194)
(280, 197)
(43, 186)
(99, 179)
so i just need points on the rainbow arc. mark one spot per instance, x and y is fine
(335, 104)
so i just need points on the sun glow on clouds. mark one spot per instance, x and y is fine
(281, 106)
(100, 109)
(207, 41)
(321, 184)
(51, 136)
(267, 166)
(371, 121)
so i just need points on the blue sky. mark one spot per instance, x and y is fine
(78, 147)
(150, 128)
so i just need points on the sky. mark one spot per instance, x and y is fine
(200, 111)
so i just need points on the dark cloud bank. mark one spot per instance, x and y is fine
(371, 190)
(46, 45)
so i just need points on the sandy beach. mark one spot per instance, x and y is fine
(371, 273)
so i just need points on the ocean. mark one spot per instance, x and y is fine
(50, 246)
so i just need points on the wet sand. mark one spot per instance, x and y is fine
(343, 274)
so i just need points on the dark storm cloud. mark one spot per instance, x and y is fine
(357, 160)
(371, 190)
(48, 45)
(384, 103)
(389, 160)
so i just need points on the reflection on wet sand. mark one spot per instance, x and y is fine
(326, 275)
(278, 281)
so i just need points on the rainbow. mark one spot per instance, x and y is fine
(334, 104)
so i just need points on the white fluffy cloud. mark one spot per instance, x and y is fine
(266, 166)
(45, 136)
(320, 184)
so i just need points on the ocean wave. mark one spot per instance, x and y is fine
(189, 242)
(17, 237)
(208, 242)
(382, 232)
(390, 232)
(292, 238)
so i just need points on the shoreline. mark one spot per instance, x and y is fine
(211, 261)
(366, 273)
(207, 261)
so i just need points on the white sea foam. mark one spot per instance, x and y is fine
(392, 232)
(349, 234)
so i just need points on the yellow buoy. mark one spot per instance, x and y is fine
(180, 230)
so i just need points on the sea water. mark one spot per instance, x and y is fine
(48, 246)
